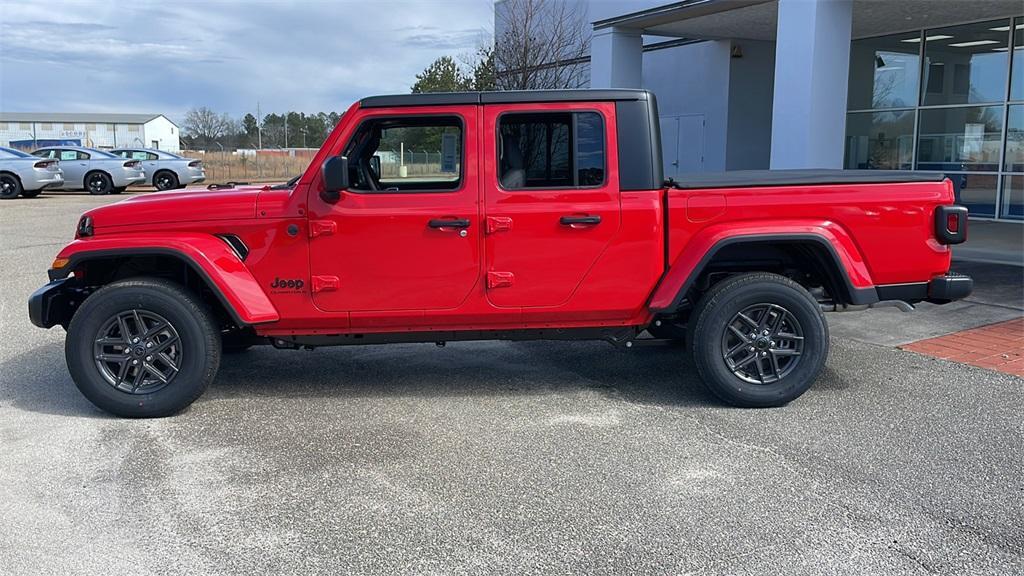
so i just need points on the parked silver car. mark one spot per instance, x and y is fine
(24, 174)
(94, 170)
(165, 170)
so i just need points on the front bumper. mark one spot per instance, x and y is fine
(53, 303)
(950, 287)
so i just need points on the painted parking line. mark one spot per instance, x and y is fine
(997, 347)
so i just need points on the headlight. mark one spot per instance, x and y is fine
(84, 229)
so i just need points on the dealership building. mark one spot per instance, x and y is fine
(28, 130)
(858, 84)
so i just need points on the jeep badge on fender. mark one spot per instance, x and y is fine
(493, 242)
(281, 285)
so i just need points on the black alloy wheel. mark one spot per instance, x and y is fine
(98, 183)
(10, 186)
(165, 180)
(143, 347)
(138, 351)
(759, 339)
(762, 343)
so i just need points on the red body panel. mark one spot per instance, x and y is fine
(213, 257)
(377, 267)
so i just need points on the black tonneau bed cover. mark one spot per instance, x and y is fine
(754, 178)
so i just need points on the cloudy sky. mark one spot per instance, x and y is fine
(166, 57)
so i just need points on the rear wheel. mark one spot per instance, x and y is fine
(10, 186)
(759, 340)
(142, 348)
(165, 180)
(98, 183)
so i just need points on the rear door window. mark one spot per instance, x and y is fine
(551, 150)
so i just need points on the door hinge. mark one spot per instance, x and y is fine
(499, 279)
(325, 283)
(322, 228)
(498, 224)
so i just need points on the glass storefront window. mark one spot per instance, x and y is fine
(966, 64)
(966, 138)
(1013, 197)
(1015, 139)
(977, 192)
(1017, 81)
(880, 140)
(884, 72)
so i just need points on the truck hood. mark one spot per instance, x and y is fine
(179, 206)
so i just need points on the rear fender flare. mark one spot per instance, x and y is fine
(701, 249)
(210, 257)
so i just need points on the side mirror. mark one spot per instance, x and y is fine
(335, 175)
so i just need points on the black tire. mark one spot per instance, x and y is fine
(787, 359)
(165, 180)
(196, 349)
(30, 193)
(118, 190)
(98, 183)
(10, 186)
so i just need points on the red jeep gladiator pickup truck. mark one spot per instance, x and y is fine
(536, 215)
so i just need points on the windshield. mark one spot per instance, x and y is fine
(170, 155)
(12, 153)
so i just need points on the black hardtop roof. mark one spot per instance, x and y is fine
(504, 97)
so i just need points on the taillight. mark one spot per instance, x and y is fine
(45, 163)
(951, 224)
(195, 164)
(132, 164)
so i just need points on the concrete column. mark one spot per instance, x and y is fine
(812, 60)
(616, 58)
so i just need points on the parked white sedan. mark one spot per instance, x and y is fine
(24, 174)
(164, 170)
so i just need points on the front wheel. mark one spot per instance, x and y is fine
(759, 340)
(142, 348)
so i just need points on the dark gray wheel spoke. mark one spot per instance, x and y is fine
(135, 351)
(739, 334)
(772, 338)
(164, 345)
(168, 361)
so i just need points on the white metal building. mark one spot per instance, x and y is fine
(33, 129)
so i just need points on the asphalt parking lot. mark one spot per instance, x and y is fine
(500, 458)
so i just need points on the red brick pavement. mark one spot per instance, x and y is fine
(997, 347)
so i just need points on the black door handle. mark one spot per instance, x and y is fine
(448, 223)
(570, 220)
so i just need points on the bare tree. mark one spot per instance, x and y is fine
(540, 44)
(204, 126)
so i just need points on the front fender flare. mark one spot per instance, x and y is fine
(699, 251)
(207, 255)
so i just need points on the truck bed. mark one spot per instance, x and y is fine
(756, 178)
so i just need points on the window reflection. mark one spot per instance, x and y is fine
(966, 64)
(977, 192)
(1013, 197)
(880, 140)
(1017, 81)
(960, 138)
(1015, 139)
(884, 72)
